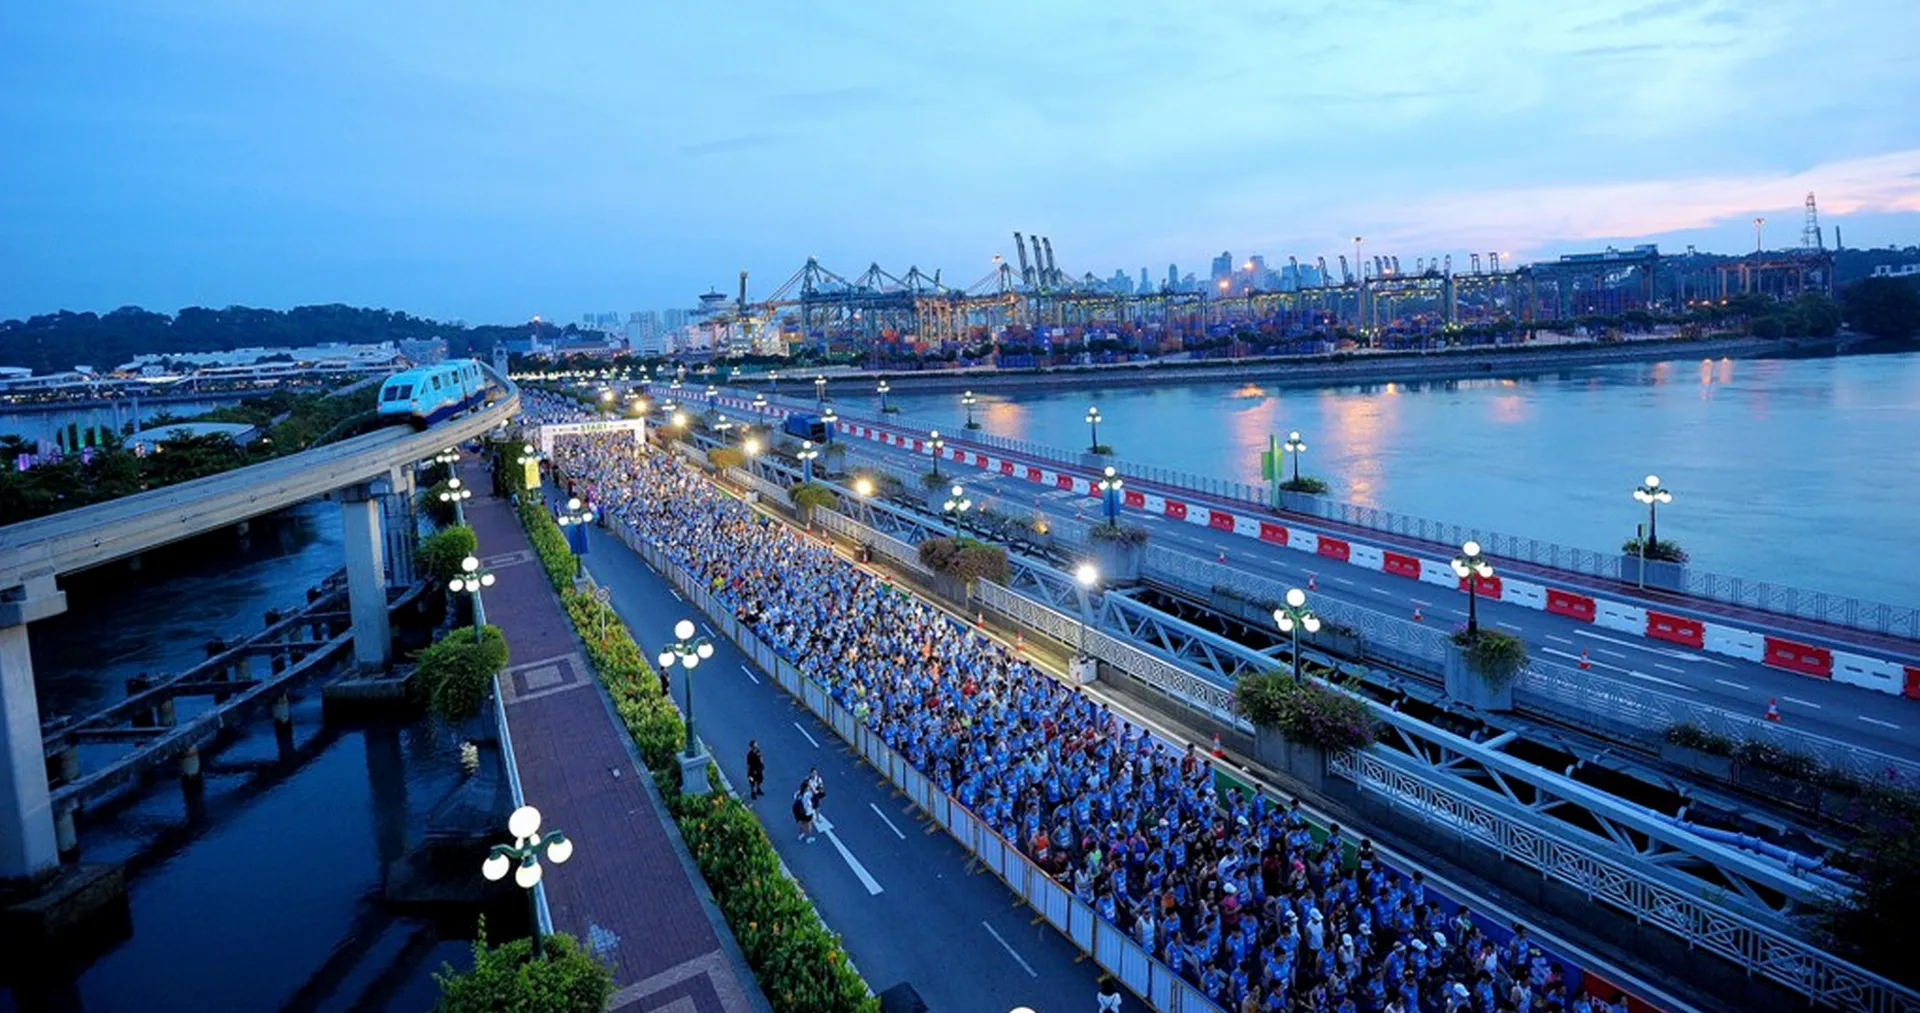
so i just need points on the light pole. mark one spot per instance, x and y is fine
(471, 579)
(448, 457)
(806, 456)
(969, 401)
(688, 652)
(863, 488)
(773, 381)
(1472, 567)
(1087, 575)
(750, 448)
(523, 856)
(456, 494)
(938, 445)
(1291, 617)
(760, 404)
(575, 516)
(1295, 446)
(956, 507)
(1110, 485)
(820, 390)
(884, 390)
(831, 419)
(1093, 425)
(1652, 493)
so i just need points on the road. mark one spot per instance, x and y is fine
(898, 890)
(1863, 717)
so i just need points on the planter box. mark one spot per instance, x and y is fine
(1304, 763)
(1083, 670)
(1467, 687)
(1665, 576)
(1780, 787)
(1347, 645)
(1094, 462)
(1720, 767)
(1118, 564)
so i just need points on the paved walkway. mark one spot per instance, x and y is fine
(629, 893)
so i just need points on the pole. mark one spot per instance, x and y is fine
(533, 915)
(686, 676)
(1653, 529)
(1473, 600)
(1643, 554)
(1296, 650)
(1095, 427)
(1296, 468)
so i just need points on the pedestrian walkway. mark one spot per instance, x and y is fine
(629, 894)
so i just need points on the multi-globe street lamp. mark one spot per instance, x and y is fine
(1110, 486)
(969, 401)
(956, 507)
(1295, 446)
(575, 516)
(522, 858)
(1087, 575)
(1291, 617)
(820, 390)
(937, 445)
(750, 447)
(1093, 426)
(456, 494)
(863, 489)
(773, 381)
(687, 651)
(1470, 566)
(471, 579)
(806, 456)
(1653, 494)
(759, 404)
(884, 390)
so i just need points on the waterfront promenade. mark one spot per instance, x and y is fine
(630, 894)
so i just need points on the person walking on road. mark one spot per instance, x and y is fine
(1109, 996)
(803, 813)
(756, 770)
(816, 789)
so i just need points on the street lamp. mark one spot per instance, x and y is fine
(688, 652)
(1093, 424)
(820, 390)
(773, 380)
(956, 508)
(679, 420)
(1472, 567)
(831, 418)
(938, 445)
(759, 404)
(1291, 617)
(471, 579)
(1295, 446)
(751, 448)
(969, 401)
(1652, 493)
(456, 494)
(528, 455)
(1110, 485)
(884, 390)
(576, 515)
(523, 856)
(863, 488)
(1087, 575)
(806, 456)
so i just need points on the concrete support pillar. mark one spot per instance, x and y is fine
(65, 837)
(402, 526)
(190, 764)
(366, 577)
(27, 844)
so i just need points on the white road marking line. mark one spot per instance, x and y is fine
(859, 871)
(1669, 668)
(1735, 685)
(1803, 703)
(1417, 601)
(750, 675)
(803, 731)
(1558, 640)
(708, 630)
(1380, 590)
(1341, 580)
(1643, 646)
(888, 822)
(1610, 654)
(1877, 721)
(1617, 668)
(676, 594)
(1011, 952)
(1507, 625)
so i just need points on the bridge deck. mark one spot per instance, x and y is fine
(629, 893)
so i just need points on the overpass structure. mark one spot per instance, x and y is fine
(371, 476)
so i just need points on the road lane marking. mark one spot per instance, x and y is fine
(1803, 703)
(1342, 580)
(888, 822)
(1735, 685)
(1380, 590)
(1610, 654)
(1618, 668)
(1011, 952)
(1558, 640)
(1511, 626)
(1877, 721)
(803, 731)
(750, 675)
(708, 630)
(1669, 668)
(859, 871)
(1642, 646)
(1417, 601)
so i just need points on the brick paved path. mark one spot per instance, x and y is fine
(626, 893)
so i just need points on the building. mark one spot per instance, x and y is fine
(424, 352)
(1222, 266)
(673, 319)
(1900, 271)
(1173, 278)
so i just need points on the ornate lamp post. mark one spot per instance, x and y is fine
(937, 445)
(773, 381)
(575, 517)
(1471, 567)
(1652, 493)
(760, 404)
(1093, 426)
(472, 578)
(1291, 617)
(884, 390)
(806, 456)
(956, 507)
(1087, 575)
(456, 494)
(969, 401)
(863, 488)
(1295, 446)
(522, 858)
(688, 652)
(1110, 485)
(820, 390)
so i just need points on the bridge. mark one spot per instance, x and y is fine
(371, 476)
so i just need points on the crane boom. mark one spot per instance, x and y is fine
(1020, 247)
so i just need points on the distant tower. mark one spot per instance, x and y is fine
(1810, 233)
(1757, 222)
(1836, 239)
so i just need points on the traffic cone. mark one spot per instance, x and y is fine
(1312, 584)
(1019, 643)
(1222, 557)
(980, 620)
(1417, 617)
(1218, 753)
(1584, 663)
(1773, 710)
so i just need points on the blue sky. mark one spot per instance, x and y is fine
(493, 161)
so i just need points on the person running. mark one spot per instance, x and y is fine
(756, 770)
(816, 789)
(1109, 997)
(803, 813)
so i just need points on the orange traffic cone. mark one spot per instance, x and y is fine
(1019, 643)
(1218, 753)
(1417, 617)
(1312, 584)
(1773, 711)
(1223, 556)
(980, 620)
(1584, 663)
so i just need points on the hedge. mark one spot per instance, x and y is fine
(797, 960)
(440, 553)
(569, 980)
(455, 671)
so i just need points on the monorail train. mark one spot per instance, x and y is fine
(424, 395)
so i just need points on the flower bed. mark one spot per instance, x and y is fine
(798, 962)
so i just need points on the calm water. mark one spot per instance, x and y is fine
(266, 894)
(1802, 471)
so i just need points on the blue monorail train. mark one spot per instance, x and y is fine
(426, 394)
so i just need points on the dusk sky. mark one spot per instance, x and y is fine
(493, 161)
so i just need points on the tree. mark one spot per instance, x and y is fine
(504, 980)
(1883, 307)
(1872, 924)
(441, 552)
(455, 672)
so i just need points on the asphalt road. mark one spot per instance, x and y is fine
(897, 889)
(1848, 713)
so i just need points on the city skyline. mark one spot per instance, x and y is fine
(498, 165)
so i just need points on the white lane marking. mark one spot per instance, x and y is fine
(1877, 721)
(1558, 640)
(1669, 668)
(750, 675)
(1610, 654)
(1341, 580)
(859, 871)
(676, 594)
(708, 630)
(1735, 685)
(1417, 601)
(1618, 668)
(1011, 952)
(1644, 646)
(888, 822)
(1800, 702)
(1507, 625)
(1380, 590)
(803, 731)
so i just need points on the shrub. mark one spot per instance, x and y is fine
(437, 511)
(1776, 758)
(440, 553)
(931, 481)
(1306, 484)
(548, 542)
(1661, 551)
(1304, 711)
(723, 458)
(964, 559)
(810, 495)
(569, 980)
(455, 672)
(1100, 448)
(1692, 736)
(1129, 535)
(1494, 656)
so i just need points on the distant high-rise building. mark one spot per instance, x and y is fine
(673, 319)
(1173, 278)
(1222, 266)
(1145, 285)
(1120, 283)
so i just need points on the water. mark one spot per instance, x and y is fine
(264, 893)
(107, 415)
(1798, 471)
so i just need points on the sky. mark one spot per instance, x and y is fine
(489, 161)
